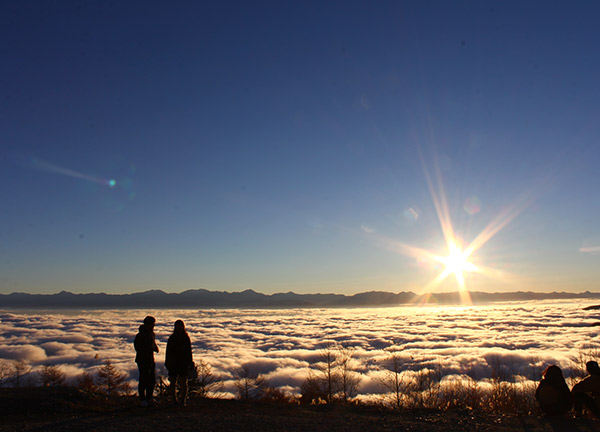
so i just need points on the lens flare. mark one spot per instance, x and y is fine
(42, 165)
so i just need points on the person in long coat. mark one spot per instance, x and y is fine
(178, 361)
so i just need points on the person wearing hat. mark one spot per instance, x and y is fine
(145, 347)
(587, 391)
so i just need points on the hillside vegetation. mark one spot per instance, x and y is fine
(70, 409)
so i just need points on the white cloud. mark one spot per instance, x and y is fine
(28, 353)
(367, 229)
(285, 344)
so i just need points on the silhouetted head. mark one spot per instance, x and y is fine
(592, 368)
(149, 321)
(553, 373)
(179, 327)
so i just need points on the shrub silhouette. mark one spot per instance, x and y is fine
(312, 391)
(394, 381)
(86, 382)
(19, 369)
(425, 387)
(510, 387)
(249, 385)
(348, 378)
(51, 376)
(110, 380)
(274, 394)
(329, 375)
(205, 383)
(336, 378)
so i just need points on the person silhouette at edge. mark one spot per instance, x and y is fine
(145, 347)
(586, 392)
(553, 393)
(178, 360)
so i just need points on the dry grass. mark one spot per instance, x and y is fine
(66, 409)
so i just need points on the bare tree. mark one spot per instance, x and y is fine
(348, 378)
(249, 385)
(578, 369)
(19, 368)
(311, 390)
(205, 383)
(5, 372)
(394, 381)
(425, 388)
(110, 380)
(328, 367)
(86, 382)
(51, 376)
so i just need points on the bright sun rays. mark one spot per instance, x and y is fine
(457, 261)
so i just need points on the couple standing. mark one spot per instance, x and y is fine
(177, 361)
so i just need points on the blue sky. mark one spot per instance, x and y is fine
(286, 146)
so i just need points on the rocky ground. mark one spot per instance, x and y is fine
(67, 409)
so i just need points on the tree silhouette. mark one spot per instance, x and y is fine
(110, 380)
(19, 368)
(394, 381)
(51, 376)
(328, 368)
(348, 378)
(86, 382)
(5, 372)
(311, 390)
(205, 382)
(249, 385)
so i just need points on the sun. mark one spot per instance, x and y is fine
(456, 263)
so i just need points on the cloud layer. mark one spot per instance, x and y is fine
(520, 338)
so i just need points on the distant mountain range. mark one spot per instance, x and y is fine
(201, 298)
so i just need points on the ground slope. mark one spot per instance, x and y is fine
(67, 409)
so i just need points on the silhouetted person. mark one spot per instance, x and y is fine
(587, 391)
(552, 393)
(178, 360)
(145, 347)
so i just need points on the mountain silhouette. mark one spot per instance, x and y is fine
(202, 298)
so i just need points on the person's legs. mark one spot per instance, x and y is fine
(184, 389)
(173, 380)
(151, 381)
(143, 380)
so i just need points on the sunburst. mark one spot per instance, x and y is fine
(458, 261)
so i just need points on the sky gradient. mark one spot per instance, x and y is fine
(286, 146)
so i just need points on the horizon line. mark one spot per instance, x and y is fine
(250, 290)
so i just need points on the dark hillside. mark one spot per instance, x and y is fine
(66, 409)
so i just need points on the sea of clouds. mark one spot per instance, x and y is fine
(285, 344)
